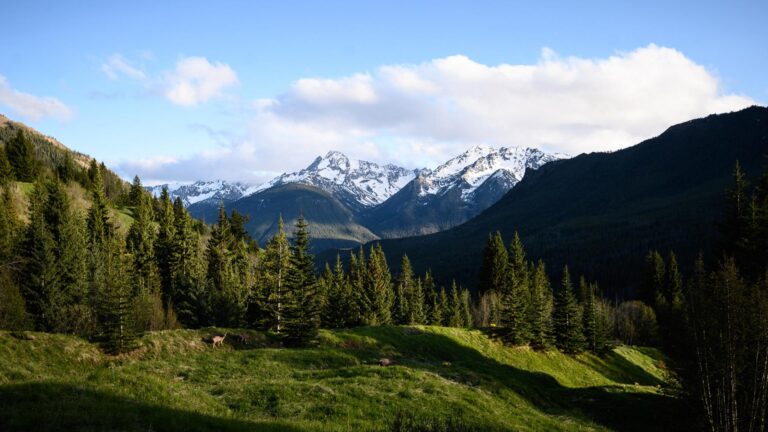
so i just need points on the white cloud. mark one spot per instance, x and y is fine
(117, 65)
(30, 106)
(422, 114)
(196, 80)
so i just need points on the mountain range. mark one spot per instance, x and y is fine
(349, 202)
(600, 213)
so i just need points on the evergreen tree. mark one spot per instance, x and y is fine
(357, 277)
(276, 264)
(434, 314)
(378, 289)
(540, 312)
(494, 272)
(100, 227)
(456, 316)
(592, 322)
(654, 280)
(444, 306)
(515, 296)
(237, 226)
(404, 287)
(40, 278)
(302, 305)
(191, 300)
(21, 155)
(566, 319)
(165, 242)
(140, 243)
(116, 309)
(417, 310)
(466, 308)
(136, 192)
(340, 306)
(6, 170)
(674, 285)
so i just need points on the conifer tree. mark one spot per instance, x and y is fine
(276, 264)
(516, 296)
(674, 284)
(566, 320)
(6, 170)
(378, 288)
(100, 227)
(340, 307)
(357, 276)
(444, 306)
(72, 314)
(466, 308)
(21, 156)
(494, 273)
(191, 300)
(302, 305)
(115, 299)
(404, 287)
(417, 310)
(540, 312)
(654, 280)
(136, 192)
(456, 316)
(590, 320)
(164, 244)
(140, 243)
(39, 280)
(434, 315)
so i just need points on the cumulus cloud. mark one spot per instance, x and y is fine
(30, 106)
(193, 81)
(197, 80)
(422, 114)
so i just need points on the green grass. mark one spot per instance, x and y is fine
(176, 381)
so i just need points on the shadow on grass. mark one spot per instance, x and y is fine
(63, 407)
(615, 407)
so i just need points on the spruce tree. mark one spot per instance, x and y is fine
(276, 264)
(378, 288)
(100, 227)
(136, 192)
(515, 296)
(417, 310)
(116, 310)
(40, 278)
(357, 277)
(674, 284)
(164, 244)
(21, 156)
(444, 306)
(191, 300)
(6, 170)
(140, 243)
(540, 312)
(654, 280)
(404, 287)
(434, 314)
(340, 308)
(456, 316)
(302, 305)
(466, 308)
(494, 273)
(566, 320)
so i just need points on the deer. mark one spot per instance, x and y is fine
(219, 340)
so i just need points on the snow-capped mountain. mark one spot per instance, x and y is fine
(471, 169)
(203, 192)
(358, 183)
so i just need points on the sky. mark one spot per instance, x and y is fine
(244, 90)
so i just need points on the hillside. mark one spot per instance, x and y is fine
(601, 212)
(175, 381)
(331, 223)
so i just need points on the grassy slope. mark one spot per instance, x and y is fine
(175, 381)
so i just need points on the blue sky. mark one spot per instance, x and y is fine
(244, 90)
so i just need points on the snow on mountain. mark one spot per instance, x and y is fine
(472, 168)
(358, 182)
(202, 191)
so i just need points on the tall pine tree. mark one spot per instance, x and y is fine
(302, 305)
